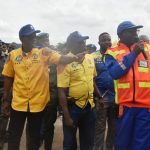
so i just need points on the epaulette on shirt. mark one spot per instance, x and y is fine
(96, 54)
(97, 57)
(112, 50)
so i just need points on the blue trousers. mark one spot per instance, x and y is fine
(133, 129)
(84, 119)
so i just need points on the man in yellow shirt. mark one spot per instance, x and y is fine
(27, 70)
(75, 91)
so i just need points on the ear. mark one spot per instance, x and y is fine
(120, 35)
(22, 38)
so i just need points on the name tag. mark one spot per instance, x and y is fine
(143, 63)
(98, 60)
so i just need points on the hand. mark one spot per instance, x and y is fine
(5, 108)
(139, 47)
(69, 122)
(80, 57)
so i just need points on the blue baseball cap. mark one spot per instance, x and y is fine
(76, 37)
(127, 25)
(42, 35)
(27, 30)
(91, 46)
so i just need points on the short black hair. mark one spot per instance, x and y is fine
(103, 34)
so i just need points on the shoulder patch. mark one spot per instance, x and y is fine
(18, 59)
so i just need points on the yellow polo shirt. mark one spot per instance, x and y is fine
(79, 79)
(31, 78)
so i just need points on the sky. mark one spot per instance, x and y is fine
(61, 17)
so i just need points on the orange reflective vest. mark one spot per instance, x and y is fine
(133, 89)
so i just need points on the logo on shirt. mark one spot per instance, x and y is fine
(74, 65)
(35, 56)
(18, 59)
(143, 63)
(98, 60)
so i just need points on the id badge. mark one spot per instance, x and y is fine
(143, 63)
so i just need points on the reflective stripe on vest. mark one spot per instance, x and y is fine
(116, 91)
(144, 84)
(115, 53)
(141, 69)
(123, 85)
(126, 86)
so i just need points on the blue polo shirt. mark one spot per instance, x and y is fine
(104, 81)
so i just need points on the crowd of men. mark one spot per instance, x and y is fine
(94, 88)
